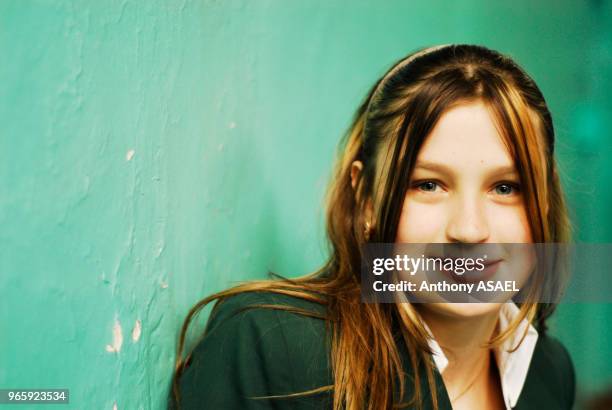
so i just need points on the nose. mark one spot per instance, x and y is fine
(467, 222)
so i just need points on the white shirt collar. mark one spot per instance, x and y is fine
(513, 366)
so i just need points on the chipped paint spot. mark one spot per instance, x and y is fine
(136, 331)
(115, 406)
(163, 284)
(220, 147)
(129, 155)
(117, 338)
(232, 125)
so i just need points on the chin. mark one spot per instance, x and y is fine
(462, 310)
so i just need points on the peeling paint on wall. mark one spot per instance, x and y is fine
(117, 338)
(136, 331)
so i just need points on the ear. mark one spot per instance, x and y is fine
(356, 168)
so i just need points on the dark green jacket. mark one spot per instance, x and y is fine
(260, 352)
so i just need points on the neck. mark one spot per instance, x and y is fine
(463, 340)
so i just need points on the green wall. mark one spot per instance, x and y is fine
(153, 152)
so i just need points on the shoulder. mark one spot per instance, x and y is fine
(275, 324)
(272, 318)
(257, 344)
(551, 375)
(551, 351)
(551, 354)
(268, 312)
(259, 302)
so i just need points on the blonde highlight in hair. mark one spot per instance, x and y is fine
(386, 135)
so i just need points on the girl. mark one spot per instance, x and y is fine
(454, 144)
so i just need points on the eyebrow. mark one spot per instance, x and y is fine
(444, 169)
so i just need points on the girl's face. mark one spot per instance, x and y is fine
(464, 189)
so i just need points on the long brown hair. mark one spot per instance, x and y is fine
(386, 134)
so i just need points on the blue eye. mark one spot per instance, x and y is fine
(428, 186)
(506, 189)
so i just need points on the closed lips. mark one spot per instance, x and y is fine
(490, 267)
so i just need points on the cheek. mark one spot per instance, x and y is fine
(509, 224)
(420, 223)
